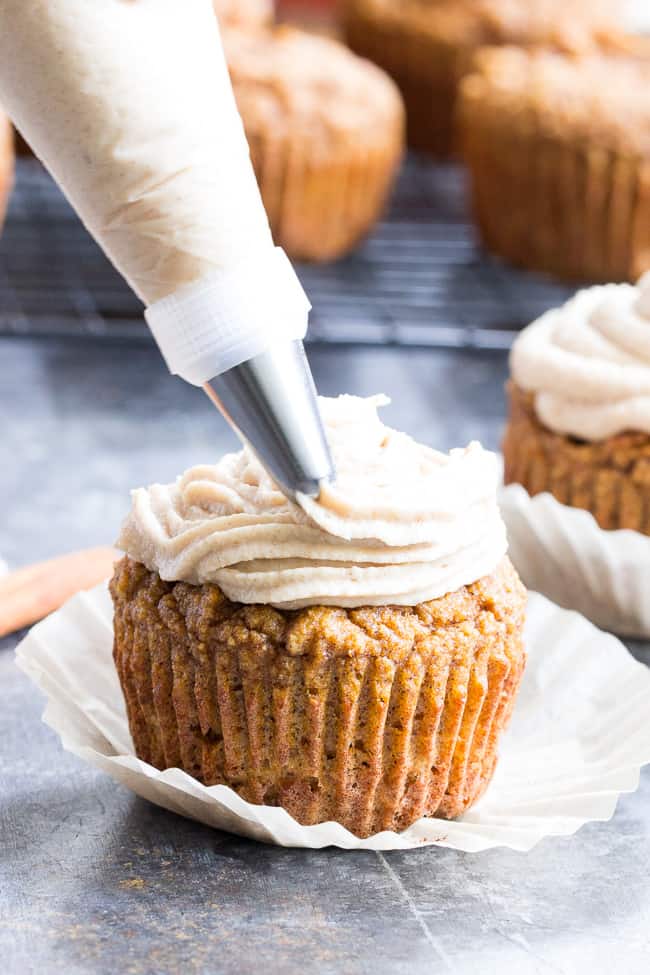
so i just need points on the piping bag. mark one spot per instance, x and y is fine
(129, 105)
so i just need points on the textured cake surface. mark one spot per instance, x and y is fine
(558, 152)
(610, 478)
(372, 717)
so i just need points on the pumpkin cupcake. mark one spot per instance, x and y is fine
(427, 46)
(354, 658)
(580, 406)
(558, 151)
(326, 136)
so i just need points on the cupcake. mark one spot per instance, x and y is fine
(427, 46)
(244, 13)
(579, 423)
(353, 658)
(326, 136)
(558, 151)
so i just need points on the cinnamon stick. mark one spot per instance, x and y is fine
(29, 594)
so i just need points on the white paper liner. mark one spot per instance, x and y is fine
(563, 553)
(579, 735)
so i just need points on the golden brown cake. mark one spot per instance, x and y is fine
(326, 135)
(372, 717)
(579, 423)
(427, 46)
(610, 478)
(558, 150)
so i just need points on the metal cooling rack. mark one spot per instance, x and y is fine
(419, 280)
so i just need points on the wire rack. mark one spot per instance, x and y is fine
(420, 279)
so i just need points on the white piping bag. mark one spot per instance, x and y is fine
(129, 105)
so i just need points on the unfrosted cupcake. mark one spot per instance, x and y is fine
(354, 658)
(580, 406)
(427, 46)
(326, 136)
(558, 151)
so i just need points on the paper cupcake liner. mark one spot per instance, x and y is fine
(579, 735)
(563, 553)
(578, 212)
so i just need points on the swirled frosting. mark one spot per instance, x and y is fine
(402, 524)
(588, 362)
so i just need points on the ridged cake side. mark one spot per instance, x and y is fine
(326, 134)
(372, 717)
(546, 194)
(610, 478)
(426, 68)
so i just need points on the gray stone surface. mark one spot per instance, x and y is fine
(94, 880)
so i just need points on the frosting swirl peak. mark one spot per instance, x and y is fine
(588, 362)
(402, 524)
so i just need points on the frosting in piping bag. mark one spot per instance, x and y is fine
(588, 363)
(403, 523)
(130, 107)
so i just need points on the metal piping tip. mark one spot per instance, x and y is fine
(271, 402)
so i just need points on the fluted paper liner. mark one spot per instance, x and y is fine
(579, 735)
(563, 553)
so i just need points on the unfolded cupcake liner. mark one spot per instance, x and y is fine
(579, 736)
(562, 552)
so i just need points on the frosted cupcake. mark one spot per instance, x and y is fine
(577, 455)
(354, 658)
(580, 406)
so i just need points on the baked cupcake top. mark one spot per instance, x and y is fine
(588, 363)
(600, 98)
(568, 24)
(402, 525)
(285, 79)
(244, 12)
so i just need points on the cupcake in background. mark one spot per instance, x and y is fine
(428, 46)
(354, 658)
(580, 406)
(558, 151)
(577, 456)
(326, 136)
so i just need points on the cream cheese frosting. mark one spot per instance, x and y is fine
(588, 362)
(402, 524)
